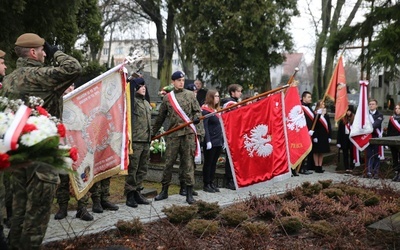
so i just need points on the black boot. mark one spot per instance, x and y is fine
(163, 194)
(182, 190)
(62, 212)
(140, 199)
(83, 214)
(97, 208)
(108, 205)
(318, 169)
(130, 199)
(189, 195)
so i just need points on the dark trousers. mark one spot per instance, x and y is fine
(395, 158)
(228, 170)
(210, 164)
(347, 150)
(373, 159)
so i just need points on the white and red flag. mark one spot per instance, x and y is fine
(95, 119)
(361, 130)
(297, 137)
(337, 90)
(255, 141)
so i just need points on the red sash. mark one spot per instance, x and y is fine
(14, 131)
(324, 123)
(308, 112)
(177, 108)
(206, 108)
(395, 123)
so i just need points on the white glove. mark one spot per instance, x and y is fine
(319, 111)
(338, 145)
(310, 132)
(209, 145)
(315, 140)
(329, 140)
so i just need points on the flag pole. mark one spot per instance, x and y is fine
(231, 106)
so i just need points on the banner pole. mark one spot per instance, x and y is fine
(231, 106)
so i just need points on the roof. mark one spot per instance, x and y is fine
(292, 61)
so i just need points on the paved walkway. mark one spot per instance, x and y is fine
(71, 227)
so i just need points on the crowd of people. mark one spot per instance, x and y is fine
(34, 187)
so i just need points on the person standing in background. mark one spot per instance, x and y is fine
(235, 92)
(213, 140)
(394, 130)
(376, 119)
(308, 163)
(200, 92)
(343, 139)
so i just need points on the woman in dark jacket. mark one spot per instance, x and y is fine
(394, 130)
(343, 139)
(213, 140)
(321, 136)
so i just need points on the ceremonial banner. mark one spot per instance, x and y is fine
(95, 118)
(337, 90)
(255, 141)
(297, 137)
(361, 130)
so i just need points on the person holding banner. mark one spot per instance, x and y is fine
(34, 185)
(235, 92)
(321, 136)
(140, 140)
(373, 151)
(179, 106)
(213, 140)
(343, 139)
(307, 164)
(394, 130)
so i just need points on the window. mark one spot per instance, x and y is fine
(105, 51)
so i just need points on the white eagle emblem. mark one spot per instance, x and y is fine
(296, 119)
(258, 141)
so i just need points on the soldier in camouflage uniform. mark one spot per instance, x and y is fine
(181, 142)
(34, 185)
(140, 141)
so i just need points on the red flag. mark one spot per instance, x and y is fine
(337, 90)
(299, 141)
(255, 141)
(361, 130)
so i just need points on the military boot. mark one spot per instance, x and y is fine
(163, 194)
(189, 195)
(182, 190)
(130, 199)
(97, 208)
(83, 214)
(109, 206)
(62, 212)
(139, 198)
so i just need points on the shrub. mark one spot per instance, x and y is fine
(310, 190)
(201, 227)
(291, 224)
(179, 214)
(130, 227)
(208, 210)
(333, 192)
(325, 183)
(255, 228)
(233, 216)
(322, 228)
(371, 200)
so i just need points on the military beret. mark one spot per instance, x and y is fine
(176, 75)
(191, 87)
(137, 83)
(29, 40)
(2, 53)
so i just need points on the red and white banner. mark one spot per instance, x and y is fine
(298, 140)
(255, 141)
(95, 118)
(361, 130)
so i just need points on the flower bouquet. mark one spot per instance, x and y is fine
(165, 90)
(31, 134)
(157, 146)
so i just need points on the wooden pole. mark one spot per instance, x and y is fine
(230, 107)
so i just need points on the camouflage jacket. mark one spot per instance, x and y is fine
(190, 106)
(31, 78)
(141, 128)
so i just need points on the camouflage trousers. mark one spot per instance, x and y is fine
(138, 164)
(185, 146)
(100, 190)
(33, 188)
(63, 193)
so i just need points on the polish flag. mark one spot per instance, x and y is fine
(361, 130)
(255, 141)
